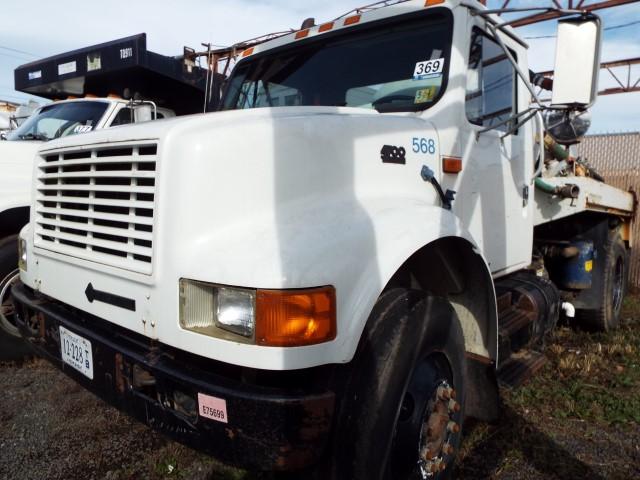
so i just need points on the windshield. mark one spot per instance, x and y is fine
(59, 120)
(399, 66)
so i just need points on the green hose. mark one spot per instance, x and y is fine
(568, 190)
(545, 187)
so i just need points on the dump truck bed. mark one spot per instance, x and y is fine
(110, 68)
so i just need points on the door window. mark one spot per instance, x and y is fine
(491, 83)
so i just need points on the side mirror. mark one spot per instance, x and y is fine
(575, 78)
(143, 113)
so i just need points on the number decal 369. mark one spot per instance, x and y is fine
(424, 145)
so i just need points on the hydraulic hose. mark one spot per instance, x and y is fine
(566, 191)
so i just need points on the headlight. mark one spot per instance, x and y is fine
(283, 318)
(217, 311)
(22, 254)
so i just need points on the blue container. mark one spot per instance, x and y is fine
(576, 271)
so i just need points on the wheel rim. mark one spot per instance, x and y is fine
(427, 428)
(618, 285)
(7, 309)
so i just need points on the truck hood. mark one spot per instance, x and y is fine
(15, 151)
(277, 156)
(160, 128)
(16, 166)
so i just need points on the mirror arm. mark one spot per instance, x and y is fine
(525, 79)
(504, 122)
(528, 114)
(541, 135)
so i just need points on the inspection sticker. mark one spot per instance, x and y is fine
(428, 69)
(213, 408)
(425, 95)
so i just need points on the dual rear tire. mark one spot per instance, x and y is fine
(610, 294)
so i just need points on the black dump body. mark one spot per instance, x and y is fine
(112, 67)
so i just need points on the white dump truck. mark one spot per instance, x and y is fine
(100, 74)
(328, 274)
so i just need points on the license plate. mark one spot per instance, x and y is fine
(76, 352)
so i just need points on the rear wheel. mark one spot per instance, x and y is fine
(12, 347)
(402, 411)
(614, 287)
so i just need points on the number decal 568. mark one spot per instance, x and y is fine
(424, 145)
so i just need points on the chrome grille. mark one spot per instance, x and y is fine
(97, 203)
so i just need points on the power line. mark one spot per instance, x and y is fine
(623, 25)
(24, 59)
(19, 51)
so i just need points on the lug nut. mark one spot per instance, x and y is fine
(431, 467)
(453, 427)
(443, 393)
(447, 449)
(454, 406)
(427, 454)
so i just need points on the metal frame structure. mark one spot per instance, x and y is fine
(582, 5)
(630, 84)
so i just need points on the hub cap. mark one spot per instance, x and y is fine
(426, 431)
(436, 445)
(7, 310)
(618, 285)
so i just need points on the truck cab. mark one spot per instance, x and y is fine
(328, 272)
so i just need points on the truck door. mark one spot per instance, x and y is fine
(498, 168)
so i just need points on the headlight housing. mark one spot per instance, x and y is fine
(283, 318)
(22, 254)
(217, 311)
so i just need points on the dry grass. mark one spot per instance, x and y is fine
(579, 418)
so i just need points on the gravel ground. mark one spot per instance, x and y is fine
(578, 419)
(50, 428)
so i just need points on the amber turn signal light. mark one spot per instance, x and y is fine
(451, 165)
(295, 318)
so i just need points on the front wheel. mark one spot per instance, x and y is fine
(12, 346)
(402, 411)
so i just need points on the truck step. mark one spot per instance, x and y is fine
(519, 368)
(504, 301)
(515, 329)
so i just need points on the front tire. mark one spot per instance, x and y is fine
(402, 410)
(12, 346)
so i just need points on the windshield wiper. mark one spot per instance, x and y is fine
(33, 136)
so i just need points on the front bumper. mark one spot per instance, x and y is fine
(273, 424)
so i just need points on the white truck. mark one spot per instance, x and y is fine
(56, 120)
(93, 79)
(330, 273)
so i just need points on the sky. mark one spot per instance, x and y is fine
(45, 29)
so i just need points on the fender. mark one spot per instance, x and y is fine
(356, 247)
(16, 170)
